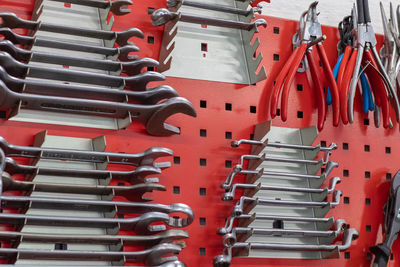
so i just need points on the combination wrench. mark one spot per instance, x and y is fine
(132, 193)
(131, 68)
(156, 255)
(152, 116)
(169, 236)
(123, 53)
(12, 21)
(21, 70)
(162, 16)
(150, 96)
(117, 7)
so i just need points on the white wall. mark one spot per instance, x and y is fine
(331, 11)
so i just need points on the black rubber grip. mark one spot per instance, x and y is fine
(382, 254)
(367, 16)
(360, 11)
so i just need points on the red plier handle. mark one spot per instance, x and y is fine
(345, 61)
(344, 86)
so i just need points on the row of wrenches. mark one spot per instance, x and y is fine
(151, 222)
(85, 92)
(282, 211)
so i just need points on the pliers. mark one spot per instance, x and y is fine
(310, 34)
(344, 47)
(377, 75)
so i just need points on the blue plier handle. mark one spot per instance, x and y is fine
(368, 102)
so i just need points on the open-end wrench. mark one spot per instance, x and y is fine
(170, 236)
(163, 15)
(264, 157)
(152, 116)
(238, 169)
(117, 7)
(243, 233)
(131, 68)
(123, 207)
(246, 202)
(141, 225)
(140, 159)
(151, 96)
(227, 9)
(21, 70)
(156, 255)
(12, 21)
(167, 264)
(135, 176)
(247, 219)
(122, 53)
(131, 193)
(230, 195)
(243, 249)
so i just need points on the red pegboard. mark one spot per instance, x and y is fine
(221, 126)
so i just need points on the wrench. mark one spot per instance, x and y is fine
(130, 68)
(140, 225)
(10, 20)
(243, 248)
(131, 193)
(227, 9)
(151, 96)
(245, 202)
(264, 157)
(167, 264)
(246, 219)
(150, 256)
(133, 177)
(117, 7)
(153, 116)
(136, 83)
(162, 16)
(123, 207)
(148, 240)
(230, 195)
(238, 169)
(121, 53)
(140, 159)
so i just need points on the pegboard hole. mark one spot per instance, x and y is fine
(366, 148)
(300, 87)
(202, 221)
(323, 143)
(322, 170)
(203, 162)
(276, 30)
(346, 200)
(276, 57)
(253, 109)
(203, 132)
(150, 39)
(228, 164)
(204, 47)
(150, 10)
(367, 174)
(388, 176)
(278, 112)
(60, 246)
(391, 256)
(203, 191)
(388, 150)
(228, 106)
(368, 201)
(176, 190)
(67, 5)
(228, 135)
(278, 224)
(202, 251)
(347, 255)
(177, 160)
(203, 103)
(346, 173)
(251, 136)
(300, 114)
(366, 121)
(368, 228)
(345, 146)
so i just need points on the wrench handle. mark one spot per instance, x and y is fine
(90, 3)
(100, 34)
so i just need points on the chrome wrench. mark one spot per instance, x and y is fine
(117, 7)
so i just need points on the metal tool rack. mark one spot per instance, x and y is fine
(226, 111)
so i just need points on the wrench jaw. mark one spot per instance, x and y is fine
(174, 4)
(155, 124)
(120, 7)
(259, 22)
(9, 35)
(178, 222)
(140, 81)
(136, 67)
(124, 53)
(12, 21)
(162, 16)
(173, 264)
(143, 225)
(155, 95)
(14, 51)
(122, 38)
(11, 66)
(160, 254)
(138, 194)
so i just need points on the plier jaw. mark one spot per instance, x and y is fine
(312, 28)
